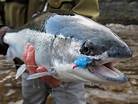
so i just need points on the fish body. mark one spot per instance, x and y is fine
(60, 39)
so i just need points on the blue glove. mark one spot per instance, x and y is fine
(82, 61)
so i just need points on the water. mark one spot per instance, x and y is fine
(10, 90)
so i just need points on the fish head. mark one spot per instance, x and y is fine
(96, 41)
(106, 49)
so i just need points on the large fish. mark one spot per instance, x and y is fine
(60, 39)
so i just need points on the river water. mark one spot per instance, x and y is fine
(10, 90)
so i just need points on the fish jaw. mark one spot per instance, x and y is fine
(102, 68)
(108, 73)
(67, 74)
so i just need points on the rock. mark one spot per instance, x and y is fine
(118, 11)
(95, 96)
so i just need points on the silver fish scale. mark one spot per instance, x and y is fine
(60, 50)
(53, 49)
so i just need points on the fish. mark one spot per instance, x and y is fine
(60, 38)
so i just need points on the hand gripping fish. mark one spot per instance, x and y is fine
(60, 39)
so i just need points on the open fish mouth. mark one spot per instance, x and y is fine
(104, 60)
(108, 72)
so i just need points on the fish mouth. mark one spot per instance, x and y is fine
(108, 72)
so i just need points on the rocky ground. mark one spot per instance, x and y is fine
(10, 90)
(118, 11)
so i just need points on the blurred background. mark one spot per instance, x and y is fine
(119, 15)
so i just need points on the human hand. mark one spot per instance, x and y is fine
(29, 59)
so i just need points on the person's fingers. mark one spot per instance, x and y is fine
(41, 69)
(27, 45)
(30, 47)
(25, 52)
(29, 58)
(51, 81)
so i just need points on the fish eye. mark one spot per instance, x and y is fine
(85, 50)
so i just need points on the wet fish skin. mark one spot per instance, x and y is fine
(63, 38)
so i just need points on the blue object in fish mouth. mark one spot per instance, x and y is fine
(82, 61)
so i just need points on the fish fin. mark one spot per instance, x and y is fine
(20, 71)
(38, 75)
